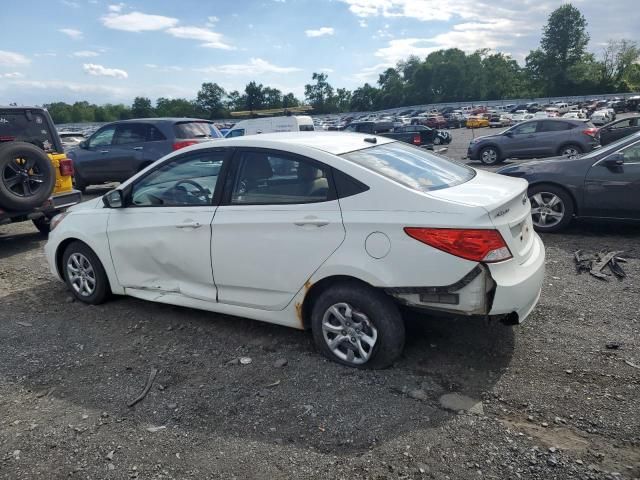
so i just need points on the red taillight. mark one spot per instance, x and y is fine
(592, 132)
(66, 167)
(184, 143)
(472, 244)
(416, 139)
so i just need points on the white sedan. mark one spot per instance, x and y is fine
(323, 231)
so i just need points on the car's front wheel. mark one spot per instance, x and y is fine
(551, 208)
(490, 156)
(437, 141)
(358, 326)
(84, 274)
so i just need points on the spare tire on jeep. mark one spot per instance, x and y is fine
(27, 176)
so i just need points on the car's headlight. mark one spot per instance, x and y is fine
(474, 140)
(55, 221)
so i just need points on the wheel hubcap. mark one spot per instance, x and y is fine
(348, 333)
(570, 152)
(22, 177)
(81, 275)
(489, 156)
(547, 209)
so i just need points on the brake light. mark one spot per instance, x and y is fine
(66, 167)
(479, 245)
(184, 143)
(416, 139)
(592, 132)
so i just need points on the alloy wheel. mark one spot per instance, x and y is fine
(570, 152)
(81, 274)
(348, 333)
(489, 156)
(22, 177)
(547, 209)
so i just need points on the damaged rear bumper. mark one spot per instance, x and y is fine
(501, 290)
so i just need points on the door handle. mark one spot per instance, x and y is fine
(138, 148)
(317, 222)
(189, 225)
(104, 151)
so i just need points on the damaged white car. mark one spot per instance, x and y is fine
(321, 231)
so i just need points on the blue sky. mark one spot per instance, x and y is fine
(106, 51)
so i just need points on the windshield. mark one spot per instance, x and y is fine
(26, 126)
(612, 147)
(411, 166)
(196, 130)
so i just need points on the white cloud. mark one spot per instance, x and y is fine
(100, 71)
(12, 59)
(137, 22)
(11, 75)
(71, 32)
(362, 23)
(256, 66)
(45, 54)
(168, 68)
(210, 38)
(213, 19)
(319, 32)
(70, 3)
(116, 8)
(370, 74)
(85, 54)
(67, 86)
(326, 70)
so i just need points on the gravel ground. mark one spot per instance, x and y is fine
(554, 398)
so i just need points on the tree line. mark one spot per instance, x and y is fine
(560, 66)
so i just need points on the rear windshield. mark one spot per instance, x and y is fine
(196, 130)
(17, 125)
(411, 166)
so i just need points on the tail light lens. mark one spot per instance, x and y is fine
(184, 143)
(592, 132)
(478, 245)
(416, 139)
(66, 167)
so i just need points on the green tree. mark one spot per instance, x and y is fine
(272, 97)
(364, 98)
(617, 57)
(141, 108)
(343, 100)
(290, 100)
(320, 94)
(254, 97)
(391, 88)
(210, 100)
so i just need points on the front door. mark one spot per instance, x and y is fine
(278, 225)
(92, 161)
(614, 192)
(522, 142)
(161, 240)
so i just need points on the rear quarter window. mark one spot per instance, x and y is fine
(31, 128)
(411, 166)
(185, 130)
(306, 128)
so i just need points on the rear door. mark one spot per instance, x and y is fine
(279, 221)
(614, 192)
(551, 135)
(618, 130)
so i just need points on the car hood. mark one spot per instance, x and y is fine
(486, 137)
(88, 205)
(543, 164)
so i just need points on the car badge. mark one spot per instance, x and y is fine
(524, 199)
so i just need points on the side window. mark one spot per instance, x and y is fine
(154, 135)
(632, 153)
(306, 128)
(239, 132)
(551, 126)
(130, 133)
(265, 178)
(189, 180)
(622, 124)
(102, 138)
(526, 128)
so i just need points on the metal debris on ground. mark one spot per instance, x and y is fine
(594, 263)
(147, 387)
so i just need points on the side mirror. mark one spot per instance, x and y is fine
(84, 144)
(113, 199)
(614, 160)
(508, 133)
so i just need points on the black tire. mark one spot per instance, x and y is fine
(437, 140)
(43, 224)
(379, 311)
(570, 150)
(27, 176)
(80, 184)
(567, 207)
(490, 155)
(101, 290)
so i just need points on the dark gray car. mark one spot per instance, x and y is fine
(621, 128)
(119, 150)
(535, 139)
(603, 184)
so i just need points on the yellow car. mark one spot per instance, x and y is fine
(477, 122)
(36, 177)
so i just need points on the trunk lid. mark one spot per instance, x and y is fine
(505, 201)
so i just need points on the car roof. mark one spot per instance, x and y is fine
(164, 120)
(335, 143)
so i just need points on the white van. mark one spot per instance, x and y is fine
(292, 123)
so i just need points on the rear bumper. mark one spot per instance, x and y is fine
(65, 200)
(54, 204)
(518, 289)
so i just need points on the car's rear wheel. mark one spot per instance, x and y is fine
(27, 176)
(570, 150)
(437, 140)
(355, 325)
(84, 274)
(490, 156)
(43, 224)
(79, 183)
(551, 208)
